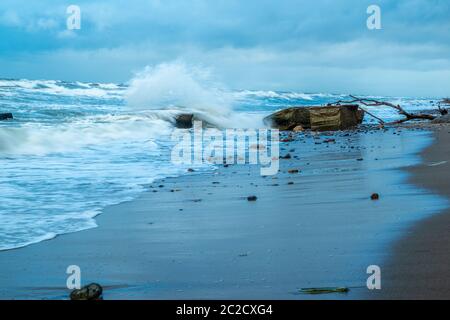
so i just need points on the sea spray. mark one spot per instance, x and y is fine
(178, 86)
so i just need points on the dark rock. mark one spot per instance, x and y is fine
(252, 198)
(375, 196)
(191, 170)
(92, 291)
(292, 171)
(6, 116)
(329, 118)
(184, 121)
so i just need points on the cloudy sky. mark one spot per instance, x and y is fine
(299, 45)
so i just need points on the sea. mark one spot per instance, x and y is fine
(74, 148)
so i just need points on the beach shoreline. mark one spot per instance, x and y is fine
(418, 268)
(197, 236)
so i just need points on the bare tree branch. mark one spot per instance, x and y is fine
(376, 103)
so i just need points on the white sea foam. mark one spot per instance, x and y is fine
(177, 86)
(276, 95)
(54, 87)
(56, 178)
(36, 139)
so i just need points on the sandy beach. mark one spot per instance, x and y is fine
(197, 236)
(419, 268)
(174, 151)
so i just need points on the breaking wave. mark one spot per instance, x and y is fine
(177, 86)
(87, 132)
(54, 87)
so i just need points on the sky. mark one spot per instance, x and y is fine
(287, 45)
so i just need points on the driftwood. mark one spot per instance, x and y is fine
(376, 103)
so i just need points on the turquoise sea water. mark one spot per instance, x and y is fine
(74, 148)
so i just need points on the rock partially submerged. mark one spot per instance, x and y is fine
(6, 116)
(92, 291)
(186, 121)
(329, 118)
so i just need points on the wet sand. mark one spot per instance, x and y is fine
(197, 236)
(420, 265)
